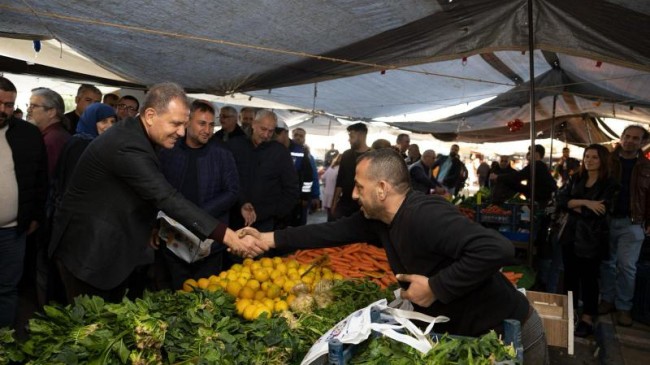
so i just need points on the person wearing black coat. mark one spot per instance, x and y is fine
(104, 227)
(587, 197)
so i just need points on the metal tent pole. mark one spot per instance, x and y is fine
(531, 61)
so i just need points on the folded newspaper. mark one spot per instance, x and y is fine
(183, 243)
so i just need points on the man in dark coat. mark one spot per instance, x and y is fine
(446, 264)
(101, 232)
(23, 183)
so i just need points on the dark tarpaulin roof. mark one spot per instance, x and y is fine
(278, 50)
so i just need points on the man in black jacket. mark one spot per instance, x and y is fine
(452, 173)
(269, 182)
(545, 185)
(23, 189)
(101, 231)
(446, 264)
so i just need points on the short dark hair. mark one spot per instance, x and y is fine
(202, 106)
(88, 87)
(387, 164)
(6, 85)
(645, 131)
(132, 98)
(380, 143)
(160, 95)
(358, 127)
(401, 136)
(540, 150)
(110, 96)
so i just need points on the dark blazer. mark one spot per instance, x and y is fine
(30, 166)
(101, 231)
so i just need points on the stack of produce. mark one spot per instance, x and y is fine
(358, 260)
(513, 277)
(496, 210)
(201, 327)
(267, 285)
(468, 212)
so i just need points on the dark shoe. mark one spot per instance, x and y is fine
(583, 329)
(624, 318)
(605, 307)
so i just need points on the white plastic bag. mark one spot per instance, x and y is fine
(183, 243)
(357, 327)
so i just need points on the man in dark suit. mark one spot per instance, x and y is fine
(101, 232)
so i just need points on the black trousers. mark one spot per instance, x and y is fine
(581, 277)
(75, 287)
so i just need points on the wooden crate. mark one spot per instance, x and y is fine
(556, 312)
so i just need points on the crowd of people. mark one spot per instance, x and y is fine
(83, 191)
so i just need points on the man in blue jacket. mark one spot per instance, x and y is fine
(205, 173)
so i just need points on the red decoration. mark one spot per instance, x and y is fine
(599, 63)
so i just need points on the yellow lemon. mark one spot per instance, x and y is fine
(248, 262)
(262, 311)
(279, 281)
(223, 274)
(247, 293)
(214, 279)
(236, 267)
(277, 261)
(307, 279)
(265, 285)
(275, 274)
(273, 291)
(233, 288)
(261, 275)
(260, 294)
(203, 283)
(282, 267)
(249, 312)
(290, 298)
(292, 264)
(214, 287)
(280, 306)
(253, 284)
(337, 276)
(266, 262)
(294, 276)
(246, 270)
(288, 286)
(232, 275)
(255, 265)
(242, 281)
(189, 285)
(269, 303)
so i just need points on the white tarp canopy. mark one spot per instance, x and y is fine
(362, 59)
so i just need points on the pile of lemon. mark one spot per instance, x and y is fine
(264, 286)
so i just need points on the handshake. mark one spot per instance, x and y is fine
(249, 242)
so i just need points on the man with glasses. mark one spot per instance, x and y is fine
(127, 107)
(46, 112)
(86, 95)
(229, 127)
(23, 186)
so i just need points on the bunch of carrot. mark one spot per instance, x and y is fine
(512, 276)
(357, 260)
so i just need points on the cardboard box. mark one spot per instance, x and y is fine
(556, 312)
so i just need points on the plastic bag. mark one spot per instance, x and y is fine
(183, 243)
(357, 327)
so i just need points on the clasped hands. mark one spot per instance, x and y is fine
(249, 242)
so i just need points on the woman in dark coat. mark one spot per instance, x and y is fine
(587, 198)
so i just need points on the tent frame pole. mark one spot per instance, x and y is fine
(531, 61)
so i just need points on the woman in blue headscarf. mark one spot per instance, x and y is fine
(95, 120)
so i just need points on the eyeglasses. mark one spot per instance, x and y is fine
(127, 107)
(32, 106)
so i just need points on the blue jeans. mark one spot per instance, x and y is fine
(618, 273)
(12, 255)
